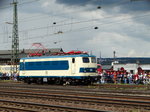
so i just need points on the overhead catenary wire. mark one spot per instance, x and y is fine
(64, 40)
(85, 21)
(41, 16)
(5, 7)
(8, 5)
(75, 30)
(77, 22)
(90, 27)
(66, 13)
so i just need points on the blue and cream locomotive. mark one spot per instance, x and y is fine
(59, 69)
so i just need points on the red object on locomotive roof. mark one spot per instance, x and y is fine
(71, 53)
(42, 51)
(76, 52)
(39, 52)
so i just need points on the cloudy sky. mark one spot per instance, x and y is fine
(96, 26)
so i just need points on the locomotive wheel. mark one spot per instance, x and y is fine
(73, 83)
(39, 81)
(59, 82)
(28, 81)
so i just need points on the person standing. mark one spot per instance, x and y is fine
(125, 77)
(136, 78)
(145, 81)
(102, 78)
(140, 80)
(130, 78)
(115, 78)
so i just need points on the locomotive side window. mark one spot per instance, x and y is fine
(85, 60)
(73, 60)
(93, 60)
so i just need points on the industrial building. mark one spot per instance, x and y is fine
(5, 55)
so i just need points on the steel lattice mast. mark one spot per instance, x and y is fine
(15, 39)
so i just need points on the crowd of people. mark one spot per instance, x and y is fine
(123, 77)
(9, 76)
(105, 76)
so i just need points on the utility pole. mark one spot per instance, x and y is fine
(15, 40)
(114, 52)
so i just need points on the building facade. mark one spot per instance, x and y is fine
(130, 64)
(5, 55)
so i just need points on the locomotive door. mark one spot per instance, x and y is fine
(73, 66)
(23, 67)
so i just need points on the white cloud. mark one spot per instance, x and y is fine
(132, 52)
(45, 4)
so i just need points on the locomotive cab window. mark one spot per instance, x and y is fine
(93, 59)
(85, 60)
(73, 60)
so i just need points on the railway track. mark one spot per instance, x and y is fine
(77, 98)
(12, 109)
(88, 89)
(71, 94)
(18, 106)
(89, 99)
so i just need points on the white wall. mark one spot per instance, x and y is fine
(127, 67)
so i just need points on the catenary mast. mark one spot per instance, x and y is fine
(15, 39)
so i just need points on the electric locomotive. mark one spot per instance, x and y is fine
(59, 69)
